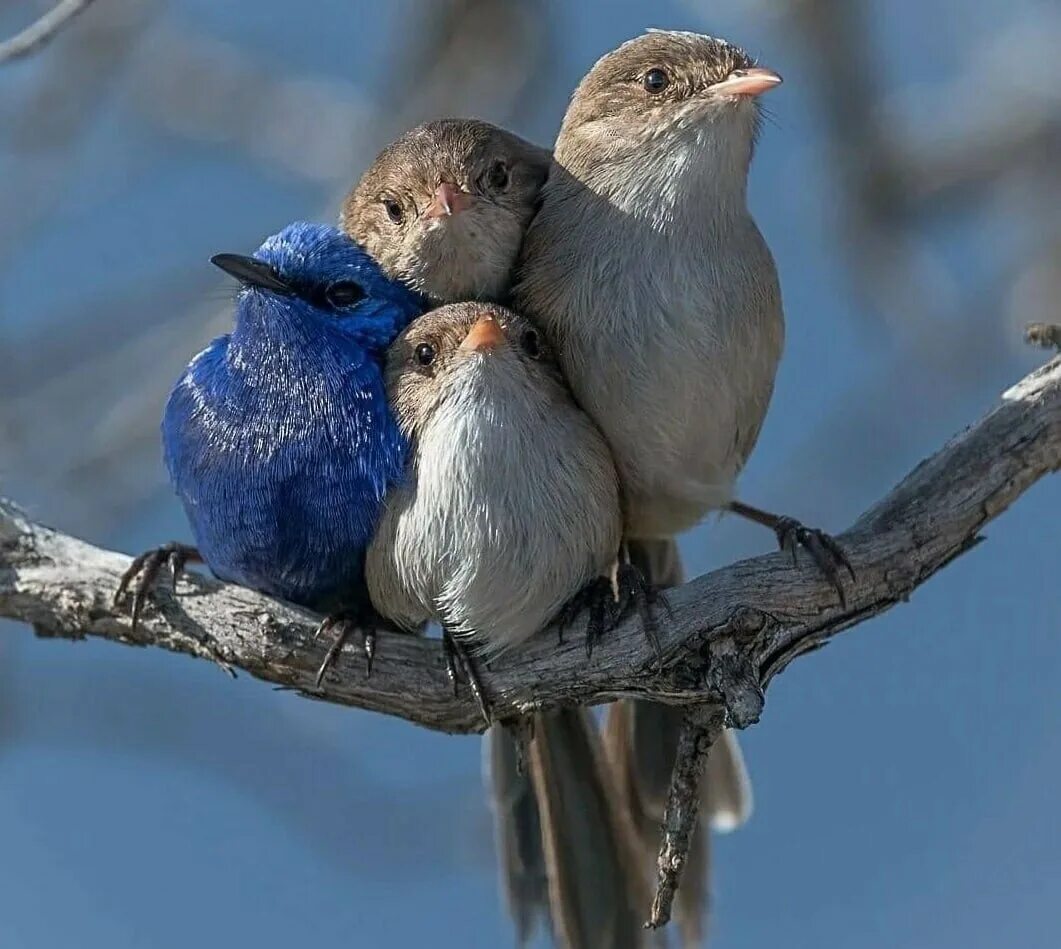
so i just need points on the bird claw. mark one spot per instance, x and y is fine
(346, 622)
(636, 593)
(454, 653)
(148, 565)
(596, 597)
(826, 553)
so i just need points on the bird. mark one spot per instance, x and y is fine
(647, 271)
(278, 437)
(511, 508)
(444, 207)
(453, 246)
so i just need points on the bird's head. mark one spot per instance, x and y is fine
(466, 357)
(312, 272)
(444, 208)
(640, 101)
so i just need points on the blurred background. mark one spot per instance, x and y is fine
(909, 182)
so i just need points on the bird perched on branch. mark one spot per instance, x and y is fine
(446, 206)
(510, 509)
(647, 271)
(278, 437)
(511, 505)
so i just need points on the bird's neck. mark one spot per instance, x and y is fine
(678, 183)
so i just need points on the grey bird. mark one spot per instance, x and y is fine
(444, 207)
(648, 273)
(510, 509)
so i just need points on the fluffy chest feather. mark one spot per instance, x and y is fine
(668, 318)
(510, 509)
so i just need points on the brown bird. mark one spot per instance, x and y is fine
(444, 208)
(646, 269)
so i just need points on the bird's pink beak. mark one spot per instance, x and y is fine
(746, 82)
(486, 334)
(448, 200)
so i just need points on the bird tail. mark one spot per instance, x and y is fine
(566, 851)
(517, 833)
(641, 740)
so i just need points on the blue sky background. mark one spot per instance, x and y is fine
(906, 777)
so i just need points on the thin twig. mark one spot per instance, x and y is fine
(42, 31)
(701, 727)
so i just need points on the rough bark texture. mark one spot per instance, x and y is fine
(730, 633)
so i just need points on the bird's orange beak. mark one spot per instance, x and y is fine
(485, 335)
(448, 200)
(747, 82)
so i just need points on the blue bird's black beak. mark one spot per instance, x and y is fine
(251, 272)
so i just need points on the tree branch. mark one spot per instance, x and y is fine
(42, 30)
(731, 631)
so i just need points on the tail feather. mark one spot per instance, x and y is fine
(566, 852)
(517, 831)
(596, 901)
(727, 789)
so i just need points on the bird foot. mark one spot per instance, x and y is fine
(455, 654)
(597, 598)
(824, 550)
(363, 620)
(636, 593)
(147, 567)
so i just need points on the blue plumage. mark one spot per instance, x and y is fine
(278, 437)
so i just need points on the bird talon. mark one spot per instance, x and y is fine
(635, 592)
(368, 646)
(346, 622)
(597, 599)
(455, 653)
(145, 569)
(826, 553)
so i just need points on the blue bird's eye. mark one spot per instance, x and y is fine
(531, 343)
(344, 293)
(497, 176)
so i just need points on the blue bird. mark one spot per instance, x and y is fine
(278, 437)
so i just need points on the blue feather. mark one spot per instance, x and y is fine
(278, 437)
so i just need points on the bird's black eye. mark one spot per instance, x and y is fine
(394, 210)
(497, 176)
(655, 81)
(531, 343)
(424, 354)
(344, 293)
